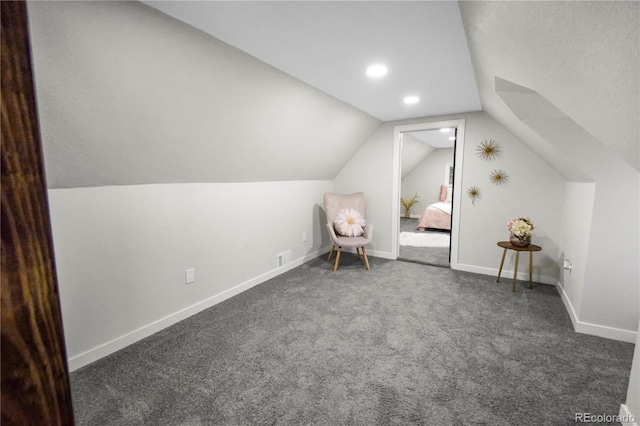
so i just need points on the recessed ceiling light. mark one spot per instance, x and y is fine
(445, 130)
(376, 70)
(411, 100)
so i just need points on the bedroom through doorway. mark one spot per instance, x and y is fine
(426, 189)
(408, 153)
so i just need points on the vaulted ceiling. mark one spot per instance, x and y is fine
(562, 77)
(213, 98)
(329, 45)
(582, 57)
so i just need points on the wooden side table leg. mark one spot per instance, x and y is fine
(504, 253)
(530, 269)
(515, 271)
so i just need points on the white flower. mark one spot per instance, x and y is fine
(349, 222)
(520, 226)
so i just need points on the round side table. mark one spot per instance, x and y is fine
(506, 245)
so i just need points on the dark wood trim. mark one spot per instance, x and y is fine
(35, 382)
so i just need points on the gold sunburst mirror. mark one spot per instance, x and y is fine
(489, 150)
(499, 177)
(474, 194)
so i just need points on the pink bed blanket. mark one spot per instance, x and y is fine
(437, 216)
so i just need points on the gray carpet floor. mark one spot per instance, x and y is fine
(403, 344)
(436, 256)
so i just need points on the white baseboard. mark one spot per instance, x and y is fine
(374, 253)
(626, 418)
(583, 327)
(567, 304)
(382, 254)
(121, 342)
(613, 333)
(506, 274)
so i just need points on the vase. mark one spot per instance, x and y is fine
(519, 241)
(407, 214)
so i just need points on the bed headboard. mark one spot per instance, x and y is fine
(445, 193)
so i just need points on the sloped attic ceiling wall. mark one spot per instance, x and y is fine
(581, 57)
(563, 78)
(128, 95)
(414, 151)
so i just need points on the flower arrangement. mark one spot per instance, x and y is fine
(407, 204)
(520, 228)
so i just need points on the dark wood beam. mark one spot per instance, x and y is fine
(35, 383)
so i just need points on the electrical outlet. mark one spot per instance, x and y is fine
(190, 275)
(304, 237)
(568, 266)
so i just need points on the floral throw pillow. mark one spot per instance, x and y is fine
(349, 222)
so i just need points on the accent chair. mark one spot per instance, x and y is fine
(336, 205)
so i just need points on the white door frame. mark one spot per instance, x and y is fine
(457, 183)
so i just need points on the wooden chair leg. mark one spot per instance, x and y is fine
(335, 267)
(358, 252)
(331, 252)
(366, 259)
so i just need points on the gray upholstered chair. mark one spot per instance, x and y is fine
(333, 204)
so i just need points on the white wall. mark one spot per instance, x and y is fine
(427, 178)
(176, 120)
(632, 405)
(574, 243)
(370, 171)
(414, 151)
(122, 251)
(612, 281)
(535, 189)
(611, 274)
(563, 78)
(128, 95)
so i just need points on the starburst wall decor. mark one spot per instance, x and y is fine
(474, 194)
(489, 150)
(498, 177)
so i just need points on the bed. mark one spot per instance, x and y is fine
(438, 215)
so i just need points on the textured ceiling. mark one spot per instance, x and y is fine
(580, 57)
(329, 45)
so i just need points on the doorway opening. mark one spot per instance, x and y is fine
(427, 163)
(427, 178)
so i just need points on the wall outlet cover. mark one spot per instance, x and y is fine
(190, 275)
